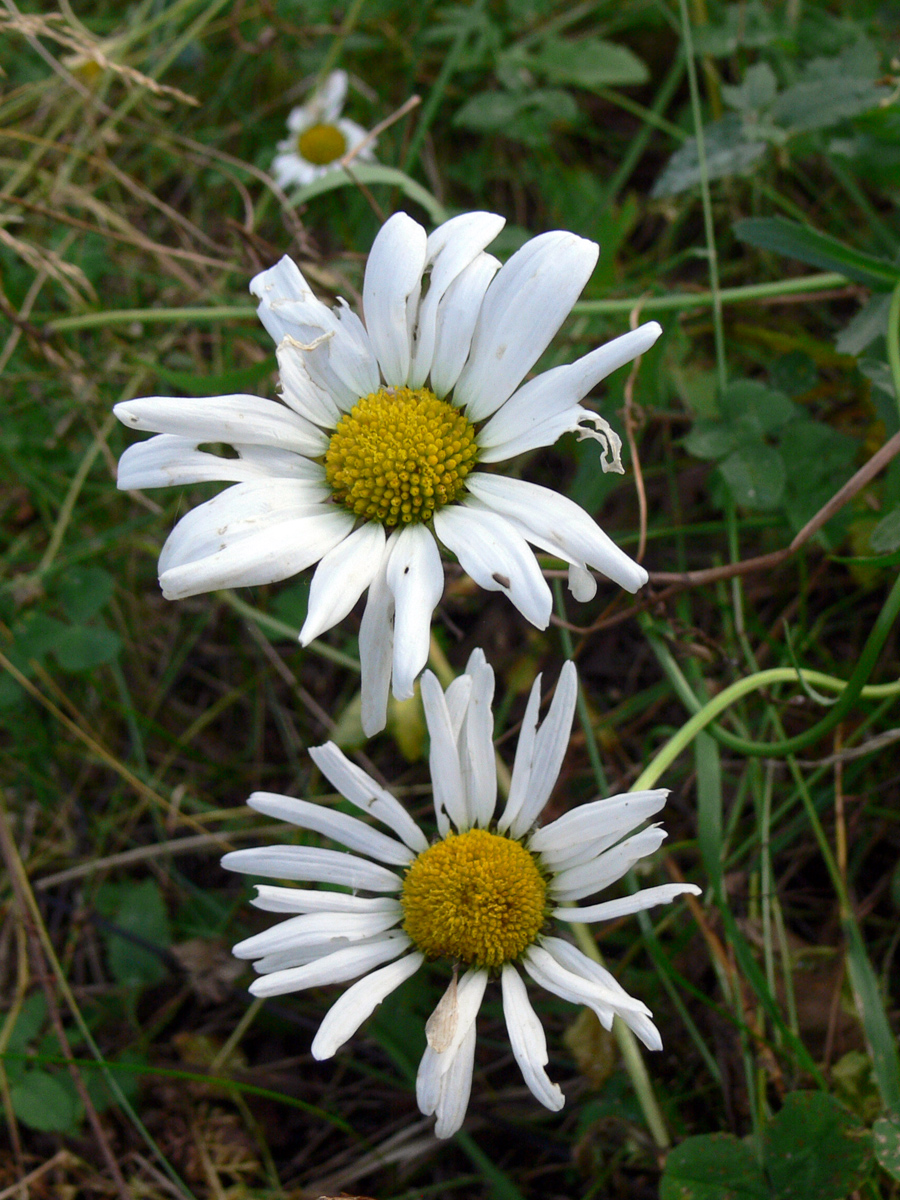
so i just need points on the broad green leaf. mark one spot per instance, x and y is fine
(46, 1102)
(832, 89)
(755, 92)
(526, 116)
(814, 1147)
(886, 534)
(137, 909)
(886, 1142)
(29, 1022)
(744, 24)
(369, 173)
(864, 327)
(712, 439)
(589, 63)
(83, 591)
(715, 1166)
(82, 647)
(755, 475)
(728, 153)
(756, 406)
(808, 245)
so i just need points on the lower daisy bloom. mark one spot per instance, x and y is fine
(483, 895)
(384, 452)
(319, 136)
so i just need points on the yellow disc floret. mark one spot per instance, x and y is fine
(398, 455)
(474, 897)
(321, 144)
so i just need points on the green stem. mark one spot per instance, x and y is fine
(704, 715)
(708, 226)
(631, 1053)
(893, 342)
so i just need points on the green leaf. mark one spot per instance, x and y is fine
(591, 63)
(369, 173)
(138, 909)
(755, 92)
(832, 90)
(715, 1166)
(886, 1141)
(526, 116)
(756, 406)
(808, 245)
(82, 647)
(728, 153)
(224, 383)
(711, 439)
(814, 1147)
(885, 536)
(755, 476)
(83, 591)
(29, 1022)
(45, 1102)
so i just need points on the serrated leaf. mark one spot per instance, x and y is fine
(82, 647)
(727, 154)
(589, 63)
(755, 476)
(497, 112)
(886, 1142)
(45, 1102)
(715, 1166)
(809, 245)
(744, 24)
(814, 1147)
(755, 92)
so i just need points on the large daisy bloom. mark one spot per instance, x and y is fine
(381, 453)
(483, 894)
(319, 136)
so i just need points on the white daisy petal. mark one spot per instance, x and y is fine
(298, 389)
(550, 746)
(450, 799)
(249, 556)
(236, 419)
(415, 576)
(476, 745)
(455, 321)
(557, 525)
(290, 170)
(575, 882)
(358, 1003)
(444, 1077)
(545, 408)
(611, 910)
(360, 789)
(457, 697)
(316, 929)
(524, 760)
(313, 865)
(526, 303)
(526, 1037)
(449, 250)
(376, 647)
(635, 1014)
(599, 824)
(545, 969)
(335, 968)
(582, 584)
(326, 104)
(341, 577)
(168, 460)
(283, 464)
(497, 557)
(393, 273)
(340, 827)
(303, 900)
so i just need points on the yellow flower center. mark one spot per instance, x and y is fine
(474, 897)
(398, 455)
(321, 144)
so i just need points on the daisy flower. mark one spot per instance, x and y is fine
(483, 894)
(319, 136)
(380, 454)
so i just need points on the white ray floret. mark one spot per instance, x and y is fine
(378, 937)
(444, 321)
(291, 166)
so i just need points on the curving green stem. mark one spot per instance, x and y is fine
(893, 342)
(705, 714)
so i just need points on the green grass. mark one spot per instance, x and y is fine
(745, 195)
